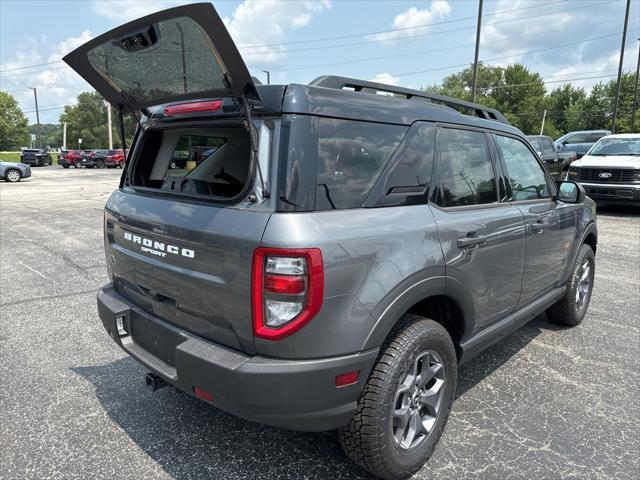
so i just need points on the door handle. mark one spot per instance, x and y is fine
(470, 242)
(539, 226)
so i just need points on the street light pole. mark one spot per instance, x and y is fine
(474, 82)
(635, 93)
(35, 96)
(624, 38)
(268, 76)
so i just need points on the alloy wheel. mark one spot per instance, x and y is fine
(583, 287)
(417, 400)
(13, 176)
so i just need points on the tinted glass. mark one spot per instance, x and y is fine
(594, 137)
(351, 157)
(547, 147)
(525, 174)
(465, 169)
(410, 173)
(177, 58)
(577, 138)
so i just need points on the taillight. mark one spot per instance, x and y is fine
(287, 289)
(193, 107)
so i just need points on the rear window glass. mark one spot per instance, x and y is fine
(212, 162)
(172, 57)
(351, 156)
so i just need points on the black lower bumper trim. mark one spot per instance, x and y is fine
(293, 394)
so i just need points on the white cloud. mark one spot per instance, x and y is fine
(415, 21)
(256, 25)
(57, 84)
(386, 78)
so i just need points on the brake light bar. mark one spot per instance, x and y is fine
(287, 287)
(192, 107)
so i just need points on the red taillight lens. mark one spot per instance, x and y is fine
(287, 289)
(286, 284)
(193, 107)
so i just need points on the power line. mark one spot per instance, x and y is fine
(262, 52)
(509, 56)
(398, 29)
(438, 50)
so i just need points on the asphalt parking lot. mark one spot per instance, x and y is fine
(546, 402)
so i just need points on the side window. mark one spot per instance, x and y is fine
(594, 137)
(409, 175)
(464, 169)
(525, 174)
(351, 157)
(547, 146)
(577, 138)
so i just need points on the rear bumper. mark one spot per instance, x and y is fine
(293, 394)
(617, 193)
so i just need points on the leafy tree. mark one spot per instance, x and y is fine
(14, 131)
(88, 120)
(559, 105)
(49, 133)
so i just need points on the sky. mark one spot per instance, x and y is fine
(408, 43)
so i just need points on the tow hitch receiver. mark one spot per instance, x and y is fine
(154, 382)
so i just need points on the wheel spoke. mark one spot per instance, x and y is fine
(415, 427)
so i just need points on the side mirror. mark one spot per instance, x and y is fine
(571, 192)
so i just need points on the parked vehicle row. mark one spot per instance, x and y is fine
(100, 158)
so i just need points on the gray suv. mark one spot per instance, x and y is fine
(338, 254)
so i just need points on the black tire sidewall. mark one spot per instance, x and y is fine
(412, 460)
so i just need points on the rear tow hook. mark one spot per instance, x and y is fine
(154, 382)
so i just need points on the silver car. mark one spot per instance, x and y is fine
(14, 172)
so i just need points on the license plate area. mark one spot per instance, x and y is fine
(155, 338)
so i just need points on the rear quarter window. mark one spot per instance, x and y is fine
(351, 157)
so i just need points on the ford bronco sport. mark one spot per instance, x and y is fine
(337, 255)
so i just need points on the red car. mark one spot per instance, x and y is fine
(71, 158)
(115, 158)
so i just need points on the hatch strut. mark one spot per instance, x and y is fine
(253, 136)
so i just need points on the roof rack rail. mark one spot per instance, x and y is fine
(364, 86)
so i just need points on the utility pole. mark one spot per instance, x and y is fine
(544, 116)
(475, 61)
(64, 136)
(109, 122)
(624, 38)
(268, 76)
(635, 93)
(35, 96)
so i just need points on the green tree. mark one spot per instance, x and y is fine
(14, 131)
(88, 120)
(49, 134)
(559, 105)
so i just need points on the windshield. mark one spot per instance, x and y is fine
(616, 146)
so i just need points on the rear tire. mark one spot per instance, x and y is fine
(65, 166)
(99, 164)
(571, 309)
(406, 401)
(12, 175)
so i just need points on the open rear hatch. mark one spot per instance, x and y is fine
(183, 53)
(188, 263)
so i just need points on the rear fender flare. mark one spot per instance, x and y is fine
(410, 296)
